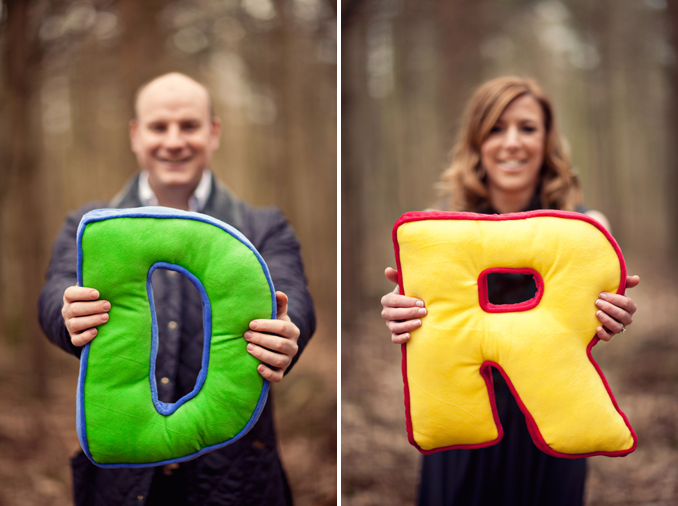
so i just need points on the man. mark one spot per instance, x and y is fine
(174, 134)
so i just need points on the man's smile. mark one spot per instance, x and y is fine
(174, 160)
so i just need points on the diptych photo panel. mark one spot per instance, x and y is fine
(508, 234)
(168, 267)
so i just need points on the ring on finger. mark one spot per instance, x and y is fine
(623, 329)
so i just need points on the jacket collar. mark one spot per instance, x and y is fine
(221, 203)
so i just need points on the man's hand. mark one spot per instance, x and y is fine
(276, 350)
(82, 313)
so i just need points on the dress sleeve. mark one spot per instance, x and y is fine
(60, 275)
(279, 247)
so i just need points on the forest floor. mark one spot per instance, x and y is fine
(379, 467)
(37, 436)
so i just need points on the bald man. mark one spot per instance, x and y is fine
(173, 135)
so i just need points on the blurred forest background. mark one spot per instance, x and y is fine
(69, 71)
(408, 69)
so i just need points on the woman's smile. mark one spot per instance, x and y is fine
(512, 165)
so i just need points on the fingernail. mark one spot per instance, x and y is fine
(248, 335)
(93, 332)
(602, 296)
(599, 313)
(599, 303)
(107, 306)
(418, 323)
(420, 303)
(250, 347)
(599, 329)
(253, 325)
(422, 311)
(104, 317)
(94, 294)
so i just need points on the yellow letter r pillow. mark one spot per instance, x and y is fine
(541, 346)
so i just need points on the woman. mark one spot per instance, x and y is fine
(509, 157)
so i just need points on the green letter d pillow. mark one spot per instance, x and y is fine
(120, 420)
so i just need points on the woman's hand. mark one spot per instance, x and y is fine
(401, 313)
(615, 311)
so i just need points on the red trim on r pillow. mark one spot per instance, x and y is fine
(538, 439)
(488, 307)
(485, 369)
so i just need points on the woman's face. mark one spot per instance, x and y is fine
(513, 154)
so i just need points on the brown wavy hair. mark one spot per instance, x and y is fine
(463, 186)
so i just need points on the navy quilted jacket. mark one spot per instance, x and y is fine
(247, 472)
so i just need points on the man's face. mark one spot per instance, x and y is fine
(174, 136)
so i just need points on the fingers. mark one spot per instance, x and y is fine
(82, 312)
(82, 329)
(274, 342)
(397, 327)
(83, 338)
(395, 301)
(76, 293)
(615, 313)
(75, 325)
(400, 338)
(283, 328)
(611, 325)
(391, 313)
(632, 281)
(278, 362)
(391, 274)
(619, 307)
(604, 334)
(281, 304)
(76, 309)
(269, 374)
(401, 313)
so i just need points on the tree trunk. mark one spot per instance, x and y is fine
(22, 57)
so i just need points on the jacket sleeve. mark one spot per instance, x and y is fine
(60, 275)
(276, 242)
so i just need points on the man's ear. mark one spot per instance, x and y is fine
(133, 129)
(216, 132)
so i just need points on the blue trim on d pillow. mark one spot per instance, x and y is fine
(255, 417)
(167, 408)
(79, 405)
(161, 212)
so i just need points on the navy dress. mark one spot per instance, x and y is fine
(514, 471)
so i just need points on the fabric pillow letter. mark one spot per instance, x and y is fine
(120, 420)
(541, 346)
